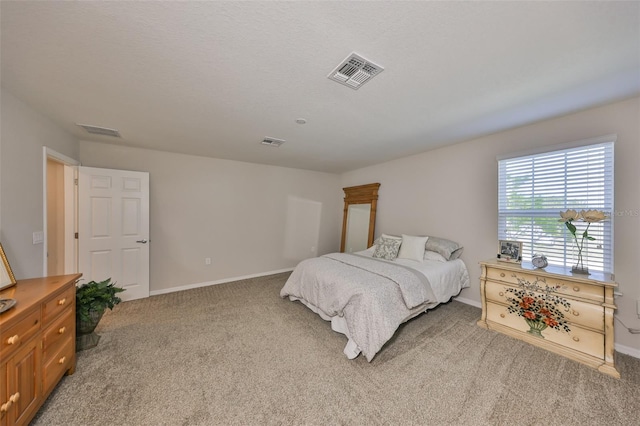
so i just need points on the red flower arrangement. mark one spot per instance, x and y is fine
(539, 307)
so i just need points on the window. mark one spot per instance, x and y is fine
(533, 189)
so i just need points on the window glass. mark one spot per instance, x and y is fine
(534, 189)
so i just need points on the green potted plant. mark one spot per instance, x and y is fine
(92, 299)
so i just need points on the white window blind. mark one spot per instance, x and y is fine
(534, 189)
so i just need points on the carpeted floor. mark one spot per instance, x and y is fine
(236, 353)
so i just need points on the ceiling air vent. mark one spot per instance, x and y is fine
(95, 130)
(272, 142)
(355, 71)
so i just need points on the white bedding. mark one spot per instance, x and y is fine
(370, 311)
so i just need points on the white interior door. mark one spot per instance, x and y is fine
(113, 228)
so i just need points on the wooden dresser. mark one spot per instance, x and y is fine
(565, 313)
(37, 338)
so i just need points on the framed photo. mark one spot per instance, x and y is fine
(6, 274)
(510, 251)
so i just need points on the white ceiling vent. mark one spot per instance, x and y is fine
(95, 130)
(355, 71)
(272, 141)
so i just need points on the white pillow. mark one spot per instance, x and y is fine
(369, 251)
(412, 247)
(432, 255)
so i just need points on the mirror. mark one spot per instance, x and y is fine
(357, 227)
(358, 224)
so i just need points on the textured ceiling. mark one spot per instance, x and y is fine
(214, 78)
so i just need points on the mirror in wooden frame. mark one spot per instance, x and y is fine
(358, 223)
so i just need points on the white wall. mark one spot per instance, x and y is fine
(248, 218)
(23, 133)
(452, 192)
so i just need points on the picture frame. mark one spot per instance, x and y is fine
(7, 279)
(510, 251)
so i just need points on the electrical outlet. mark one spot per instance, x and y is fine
(38, 237)
(207, 261)
(638, 307)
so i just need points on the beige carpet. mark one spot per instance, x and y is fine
(238, 354)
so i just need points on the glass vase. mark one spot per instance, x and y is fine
(578, 265)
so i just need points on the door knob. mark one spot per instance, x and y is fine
(142, 241)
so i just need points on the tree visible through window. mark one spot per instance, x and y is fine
(534, 189)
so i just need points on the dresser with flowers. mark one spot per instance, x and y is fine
(565, 313)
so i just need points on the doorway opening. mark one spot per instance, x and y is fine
(60, 249)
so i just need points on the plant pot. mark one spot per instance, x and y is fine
(86, 338)
(535, 327)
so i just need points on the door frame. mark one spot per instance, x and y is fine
(71, 208)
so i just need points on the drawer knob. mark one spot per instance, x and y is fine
(501, 315)
(62, 360)
(13, 340)
(576, 339)
(15, 397)
(501, 294)
(575, 313)
(62, 330)
(502, 274)
(62, 301)
(5, 407)
(576, 288)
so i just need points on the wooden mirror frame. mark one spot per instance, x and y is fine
(362, 194)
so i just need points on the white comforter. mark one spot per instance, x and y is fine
(367, 299)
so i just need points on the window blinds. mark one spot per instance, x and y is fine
(534, 189)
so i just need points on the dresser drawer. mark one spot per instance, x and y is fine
(13, 336)
(581, 313)
(58, 332)
(579, 339)
(55, 305)
(570, 289)
(56, 364)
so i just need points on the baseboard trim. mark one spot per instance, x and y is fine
(627, 350)
(222, 281)
(468, 301)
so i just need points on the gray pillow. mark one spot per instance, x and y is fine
(387, 248)
(450, 250)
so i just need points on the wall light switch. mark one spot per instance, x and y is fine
(638, 307)
(207, 261)
(38, 237)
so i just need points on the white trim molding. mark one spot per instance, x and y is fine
(222, 281)
(67, 161)
(558, 147)
(627, 350)
(468, 302)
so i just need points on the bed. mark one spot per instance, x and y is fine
(367, 297)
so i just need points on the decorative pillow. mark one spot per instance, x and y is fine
(387, 248)
(432, 255)
(387, 236)
(450, 250)
(412, 247)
